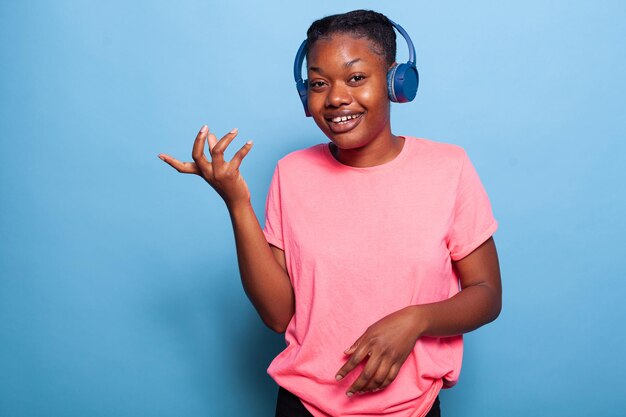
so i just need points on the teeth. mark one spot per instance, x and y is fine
(340, 119)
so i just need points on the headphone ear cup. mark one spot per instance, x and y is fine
(402, 83)
(390, 84)
(303, 93)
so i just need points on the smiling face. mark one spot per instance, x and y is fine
(347, 94)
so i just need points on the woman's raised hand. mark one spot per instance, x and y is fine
(223, 176)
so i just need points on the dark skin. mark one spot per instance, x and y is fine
(346, 78)
(261, 266)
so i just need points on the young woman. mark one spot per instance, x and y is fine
(377, 252)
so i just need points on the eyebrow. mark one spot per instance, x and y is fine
(345, 65)
(351, 63)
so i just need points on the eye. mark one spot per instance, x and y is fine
(357, 78)
(316, 84)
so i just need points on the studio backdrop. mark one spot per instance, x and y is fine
(119, 288)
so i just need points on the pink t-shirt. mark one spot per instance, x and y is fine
(360, 244)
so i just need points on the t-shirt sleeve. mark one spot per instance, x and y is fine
(273, 229)
(473, 222)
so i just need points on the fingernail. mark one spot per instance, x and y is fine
(350, 394)
(161, 157)
(233, 131)
(338, 377)
(249, 142)
(204, 128)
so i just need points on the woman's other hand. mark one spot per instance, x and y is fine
(386, 344)
(223, 176)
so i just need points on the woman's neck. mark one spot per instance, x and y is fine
(376, 153)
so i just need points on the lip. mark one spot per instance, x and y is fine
(343, 127)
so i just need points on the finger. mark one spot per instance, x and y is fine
(355, 359)
(370, 369)
(355, 345)
(182, 167)
(212, 141)
(217, 153)
(351, 349)
(241, 153)
(379, 377)
(391, 376)
(197, 152)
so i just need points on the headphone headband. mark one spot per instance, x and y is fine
(402, 79)
(408, 40)
(297, 64)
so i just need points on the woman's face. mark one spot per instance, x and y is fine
(347, 93)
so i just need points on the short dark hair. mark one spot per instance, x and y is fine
(362, 24)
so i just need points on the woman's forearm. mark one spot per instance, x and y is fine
(264, 280)
(468, 310)
(478, 303)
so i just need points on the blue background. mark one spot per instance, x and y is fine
(119, 290)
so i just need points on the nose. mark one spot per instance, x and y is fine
(338, 95)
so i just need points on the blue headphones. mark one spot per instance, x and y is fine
(402, 79)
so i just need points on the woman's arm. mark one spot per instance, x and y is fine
(478, 303)
(387, 343)
(263, 272)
